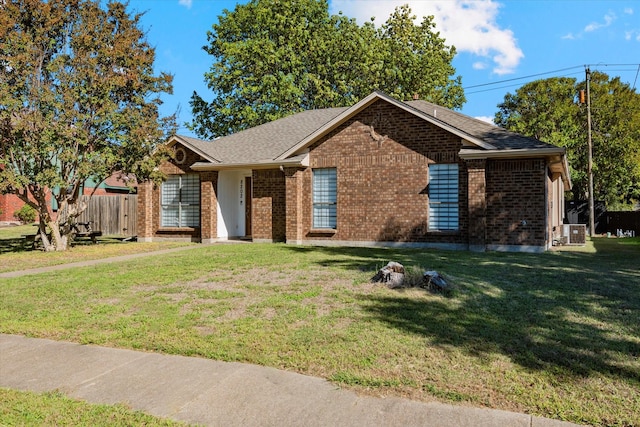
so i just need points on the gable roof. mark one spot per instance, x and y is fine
(500, 138)
(286, 140)
(262, 143)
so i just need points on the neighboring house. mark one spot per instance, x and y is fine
(382, 172)
(115, 184)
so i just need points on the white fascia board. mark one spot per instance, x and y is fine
(516, 153)
(266, 164)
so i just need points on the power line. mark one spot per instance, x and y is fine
(513, 85)
(546, 73)
(524, 77)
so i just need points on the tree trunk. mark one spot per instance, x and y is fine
(59, 240)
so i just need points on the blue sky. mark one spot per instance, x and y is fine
(499, 43)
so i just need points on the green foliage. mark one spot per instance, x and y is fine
(26, 214)
(548, 110)
(273, 58)
(78, 99)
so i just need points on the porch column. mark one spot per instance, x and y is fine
(145, 211)
(477, 204)
(208, 207)
(293, 185)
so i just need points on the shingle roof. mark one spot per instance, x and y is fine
(266, 142)
(501, 138)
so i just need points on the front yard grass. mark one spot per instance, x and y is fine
(54, 409)
(16, 253)
(555, 335)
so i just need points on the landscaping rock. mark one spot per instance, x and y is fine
(392, 274)
(433, 280)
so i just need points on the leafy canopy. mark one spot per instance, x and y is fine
(78, 99)
(273, 58)
(548, 110)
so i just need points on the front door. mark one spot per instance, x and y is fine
(247, 205)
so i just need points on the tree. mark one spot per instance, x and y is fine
(273, 58)
(549, 110)
(78, 100)
(415, 60)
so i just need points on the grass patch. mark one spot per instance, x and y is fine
(51, 409)
(17, 254)
(554, 334)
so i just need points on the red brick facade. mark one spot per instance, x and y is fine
(382, 156)
(149, 205)
(269, 205)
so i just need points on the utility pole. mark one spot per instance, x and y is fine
(592, 230)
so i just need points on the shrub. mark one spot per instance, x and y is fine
(25, 214)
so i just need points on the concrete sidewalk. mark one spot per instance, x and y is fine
(213, 393)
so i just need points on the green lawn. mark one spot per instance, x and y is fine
(555, 334)
(53, 409)
(17, 254)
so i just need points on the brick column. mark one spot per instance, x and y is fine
(293, 185)
(208, 207)
(477, 187)
(145, 211)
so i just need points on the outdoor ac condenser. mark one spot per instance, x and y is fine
(574, 234)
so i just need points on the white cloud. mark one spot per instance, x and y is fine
(486, 119)
(186, 3)
(467, 24)
(628, 11)
(479, 65)
(632, 34)
(569, 36)
(608, 20)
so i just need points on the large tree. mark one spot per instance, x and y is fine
(550, 110)
(273, 58)
(78, 100)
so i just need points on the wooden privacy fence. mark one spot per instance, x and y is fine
(624, 221)
(114, 215)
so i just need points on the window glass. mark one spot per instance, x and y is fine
(180, 201)
(443, 197)
(324, 198)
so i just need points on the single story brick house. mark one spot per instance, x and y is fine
(379, 173)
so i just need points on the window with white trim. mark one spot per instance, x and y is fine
(180, 204)
(324, 198)
(443, 197)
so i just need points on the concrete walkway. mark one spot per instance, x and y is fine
(212, 393)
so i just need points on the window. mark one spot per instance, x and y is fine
(324, 198)
(181, 201)
(443, 197)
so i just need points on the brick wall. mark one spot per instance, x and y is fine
(516, 203)
(382, 157)
(149, 203)
(269, 207)
(477, 203)
(208, 205)
(9, 203)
